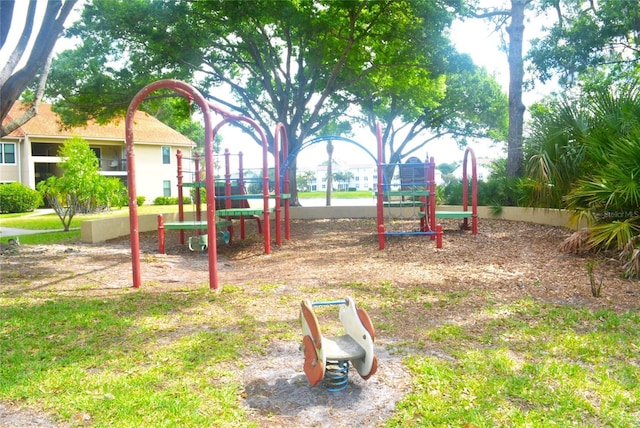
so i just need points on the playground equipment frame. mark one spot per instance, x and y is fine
(189, 92)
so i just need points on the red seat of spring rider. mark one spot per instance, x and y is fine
(355, 346)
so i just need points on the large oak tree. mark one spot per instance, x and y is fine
(26, 65)
(295, 62)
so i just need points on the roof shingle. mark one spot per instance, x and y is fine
(147, 129)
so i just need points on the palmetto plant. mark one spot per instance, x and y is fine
(585, 156)
(555, 151)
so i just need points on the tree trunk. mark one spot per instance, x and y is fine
(516, 76)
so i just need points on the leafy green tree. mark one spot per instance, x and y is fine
(81, 188)
(463, 102)
(294, 62)
(27, 63)
(447, 168)
(304, 179)
(342, 177)
(597, 43)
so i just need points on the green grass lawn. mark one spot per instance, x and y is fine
(52, 223)
(163, 359)
(142, 358)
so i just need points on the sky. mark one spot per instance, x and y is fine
(473, 36)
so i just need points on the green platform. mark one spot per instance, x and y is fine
(195, 225)
(451, 214)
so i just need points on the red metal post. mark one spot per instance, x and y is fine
(197, 196)
(180, 193)
(276, 187)
(160, 234)
(380, 188)
(265, 195)
(242, 192)
(227, 188)
(438, 235)
(426, 200)
(432, 194)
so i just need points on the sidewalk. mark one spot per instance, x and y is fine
(12, 231)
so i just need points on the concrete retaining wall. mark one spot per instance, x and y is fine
(101, 230)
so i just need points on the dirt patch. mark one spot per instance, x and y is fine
(506, 261)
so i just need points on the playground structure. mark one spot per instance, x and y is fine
(417, 193)
(207, 108)
(232, 203)
(328, 358)
(424, 194)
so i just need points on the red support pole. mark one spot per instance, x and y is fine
(197, 195)
(425, 200)
(265, 195)
(276, 189)
(432, 194)
(180, 198)
(438, 235)
(160, 234)
(380, 188)
(241, 191)
(227, 188)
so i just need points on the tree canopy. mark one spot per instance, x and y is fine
(589, 41)
(303, 63)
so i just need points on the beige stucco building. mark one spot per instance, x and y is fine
(30, 154)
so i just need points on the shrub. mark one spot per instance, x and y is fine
(18, 198)
(169, 200)
(140, 200)
(161, 200)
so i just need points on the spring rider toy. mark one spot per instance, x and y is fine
(328, 358)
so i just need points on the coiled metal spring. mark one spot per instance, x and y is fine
(336, 375)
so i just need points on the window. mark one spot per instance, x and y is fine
(166, 155)
(8, 153)
(166, 188)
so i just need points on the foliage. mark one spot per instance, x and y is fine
(171, 200)
(140, 200)
(18, 198)
(81, 188)
(554, 151)
(596, 42)
(497, 190)
(585, 156)
(304, 180)
(305, 64)
(465, 102)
